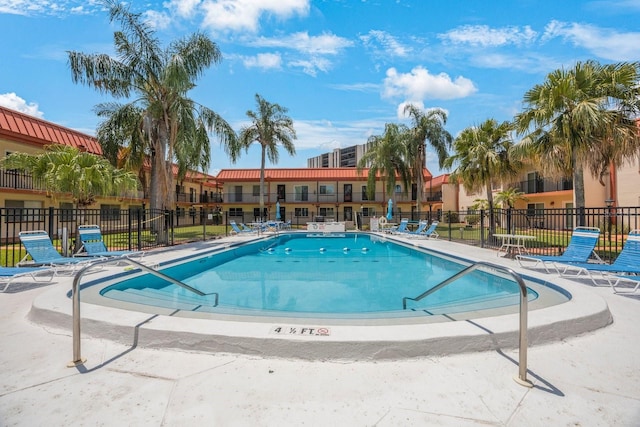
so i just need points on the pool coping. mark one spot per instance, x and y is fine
(313, 339)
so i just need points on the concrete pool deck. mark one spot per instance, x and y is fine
(589, 379)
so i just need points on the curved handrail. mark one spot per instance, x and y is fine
(75, 296)
(522, 364)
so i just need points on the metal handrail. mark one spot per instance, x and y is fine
(522, 364)
(75, 297)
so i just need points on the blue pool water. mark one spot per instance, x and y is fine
(300, 273)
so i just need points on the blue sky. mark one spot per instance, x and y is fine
(343, 68)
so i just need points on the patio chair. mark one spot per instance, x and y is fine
(422, 225)
(401, 228)
(580, 249)
(431, 233)
(43, 253)
(238, 230)
(616, 281)
(92, 244)
(627, 262)
(9, 274)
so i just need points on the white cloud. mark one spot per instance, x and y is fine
(241, 15)
(419, 85)
(183, 8)
(14, 102)
(603, 42)
(389, 45)
(157, 20)
(45, 7)
(264, 61)
(312, 65)
(324, 44)
(483, 35)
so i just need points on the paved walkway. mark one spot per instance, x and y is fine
(590, 380)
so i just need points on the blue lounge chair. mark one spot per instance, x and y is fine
(627, 262)
(581, 248)
(92, 244)
(10, 274)
(422, 225)
(42, 251)
(616, 281)
(401, 228)
(431, 232)
(238, 230)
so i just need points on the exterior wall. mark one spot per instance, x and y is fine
(628, 184)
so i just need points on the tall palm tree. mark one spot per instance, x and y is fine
(159, 121)
(269, 127)
(66, 170)
(481, 158)
(582, 117)
(428, 126)
(387, 157)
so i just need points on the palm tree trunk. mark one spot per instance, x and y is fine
(262, 165)
(492, 221)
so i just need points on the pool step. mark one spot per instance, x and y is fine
(162, 299)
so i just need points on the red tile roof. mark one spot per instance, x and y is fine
(21, 127)
(297, 174)
(439, 180)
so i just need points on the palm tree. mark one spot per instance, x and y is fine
(582, 117)
(387, 157)
(66, 170)
(509, 197)
(428, 126)
(160, 122)
(269, 127)
(481, 156)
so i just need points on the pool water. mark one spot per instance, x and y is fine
(339, 274)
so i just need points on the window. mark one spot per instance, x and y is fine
(326, 189)
(398, 188)
(238, 193)
(301, 193)
(66, 212)
(364, 193)
(109, 212)
(23, 211)
(235, 212)
(301, 212)
(535, 209)
(180, 212)
(368, 212)
(256, 190)
(327, 212)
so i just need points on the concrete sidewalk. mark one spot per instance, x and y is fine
(591, 380)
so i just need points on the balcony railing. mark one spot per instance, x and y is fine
(310, 197)
(543, 185)
(18, 180)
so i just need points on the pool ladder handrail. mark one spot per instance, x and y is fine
(522, 364)
(75, 296)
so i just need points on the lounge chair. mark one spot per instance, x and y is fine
(43, 253)
(92, 244)
(627, 262)
(401, 228)
(238, 230)
(9, 274)
(422, 225)
(616, 281)
(581, 248)
(431, 232)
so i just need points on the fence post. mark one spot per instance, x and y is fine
(139, 230)
(50, 221)
(449, 221)
(130, 226)
(482, 239)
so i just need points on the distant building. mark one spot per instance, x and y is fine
(339, 158)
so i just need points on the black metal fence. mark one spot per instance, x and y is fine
(144, 229)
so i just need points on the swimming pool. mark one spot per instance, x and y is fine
(344, 275)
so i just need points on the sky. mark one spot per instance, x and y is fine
(342, 68)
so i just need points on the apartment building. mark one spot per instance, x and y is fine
(304, 194)
(18, 191)
(347, 157)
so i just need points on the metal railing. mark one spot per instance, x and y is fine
(522, 364)
(75, 296)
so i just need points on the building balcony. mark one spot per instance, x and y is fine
(543, 185)
(334, 198)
